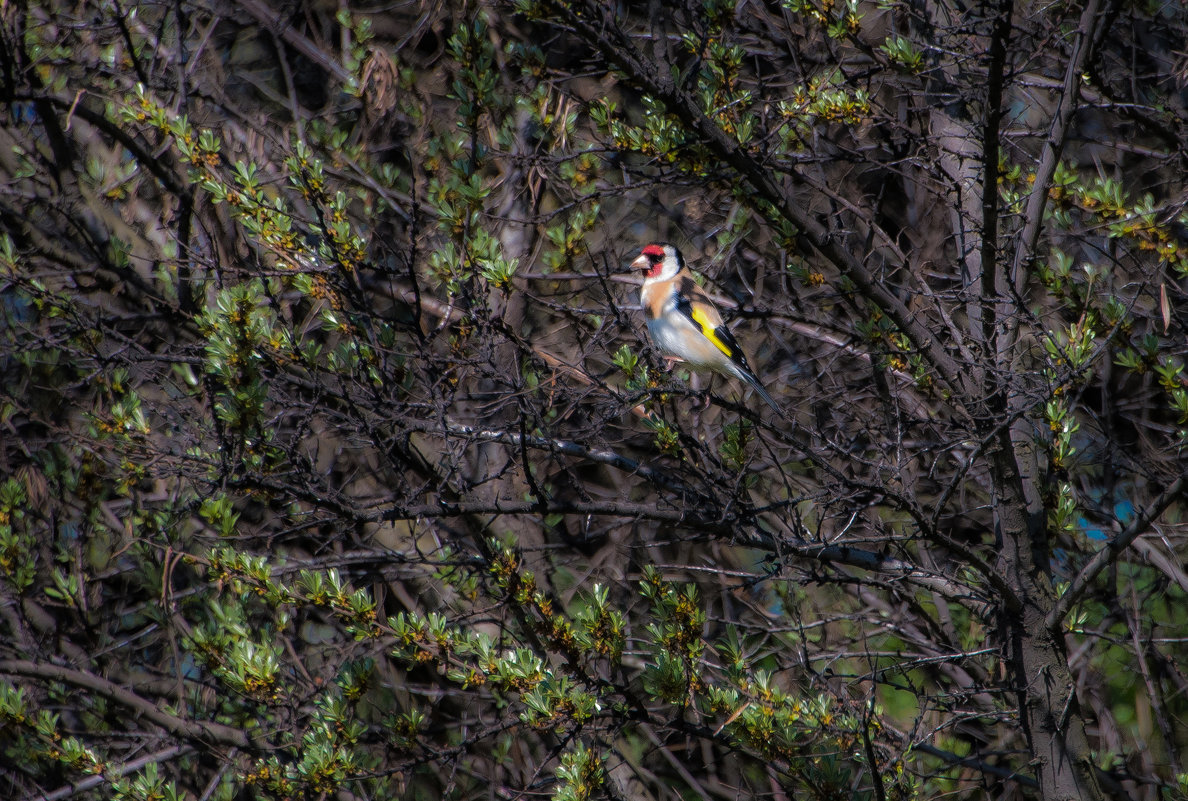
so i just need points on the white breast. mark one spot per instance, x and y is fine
(677, 336)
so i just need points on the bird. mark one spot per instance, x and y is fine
(683, 322)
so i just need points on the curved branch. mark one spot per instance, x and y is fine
(115, 772)
(146, 159)
(203, 731)
(725, 525)
(658, 478)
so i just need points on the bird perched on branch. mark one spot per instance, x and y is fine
(683, 322)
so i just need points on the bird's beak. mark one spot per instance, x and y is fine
(641, 263)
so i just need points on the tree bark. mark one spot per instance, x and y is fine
(1048, 709)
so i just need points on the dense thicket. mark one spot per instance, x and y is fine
(335, 462)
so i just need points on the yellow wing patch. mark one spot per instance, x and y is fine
(710, 331)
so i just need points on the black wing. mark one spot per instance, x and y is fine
(718, 334)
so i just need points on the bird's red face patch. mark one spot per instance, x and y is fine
(654, 255)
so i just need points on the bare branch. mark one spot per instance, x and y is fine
(202, 731)
(1109, 554)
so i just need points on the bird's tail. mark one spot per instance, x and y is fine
(750, 378)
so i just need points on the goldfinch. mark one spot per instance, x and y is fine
(683, 322)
